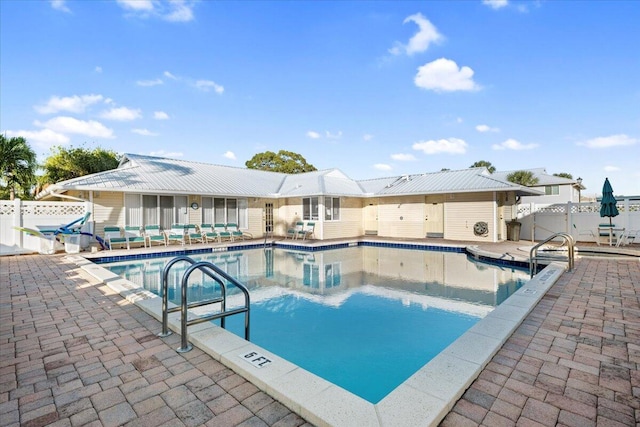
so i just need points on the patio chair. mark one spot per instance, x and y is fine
(134, 235)
(154, 234)
(236, 233)
(307, 231)
(296, 230)
(208, 233)
(628, 237)
(193, 234)
(176, 234)
(113, 236)
(221, 229)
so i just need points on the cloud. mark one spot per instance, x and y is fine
(336, 135)
(427, 34)
(98, 69)
(610, 168)
(495, 4)
(43, 138)
(160, 115)
(60, 5)
(230, 155)
(65, 125)
(486, 128)
(449, 146)
(207, 85)
(382, 167)
(180, 11)
(619, 140)
(313, 135)
(149, 83)
(512, 144)
(162, 153)
(136, 5)
(144, 132)
(121, 114)
(73, 104)
(168, 10)
(169, 75)
(403, 157)
(367, 137)
(444, 75)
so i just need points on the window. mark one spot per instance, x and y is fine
(331, 208)
(310, 208)
(551, 190)
(224, 211)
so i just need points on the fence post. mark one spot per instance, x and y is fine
(17, 222)
(627, 213)
(569, 218)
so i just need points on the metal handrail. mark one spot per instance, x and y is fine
(567, 238)
(215, 273)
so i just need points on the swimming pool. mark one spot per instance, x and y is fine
(364, 318)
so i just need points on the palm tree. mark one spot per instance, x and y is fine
(17, 165)
(484, 164)
(522, 177)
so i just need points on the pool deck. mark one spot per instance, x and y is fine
(74, 352)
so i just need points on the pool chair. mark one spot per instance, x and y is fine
(307, 231)
(221, 229)
(193, 234)
(113, 236)
(208, 233)
(134, 235)
(154, 235)
(296, 230)
(176, 234)
(236, 233)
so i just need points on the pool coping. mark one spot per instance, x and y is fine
(423, 399)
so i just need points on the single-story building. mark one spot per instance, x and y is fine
(469, 204)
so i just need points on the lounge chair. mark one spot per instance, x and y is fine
(307, 231)
(113, 236)
(296, 230)
(154, 234)
(236, 233)
(134, 235)
(177, 233)
(193, 234)
(208, 233)
(221, 229)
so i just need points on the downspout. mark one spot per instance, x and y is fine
(495, 218)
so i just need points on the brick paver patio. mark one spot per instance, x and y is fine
(74, 353)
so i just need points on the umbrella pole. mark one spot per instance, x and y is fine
(610, 232)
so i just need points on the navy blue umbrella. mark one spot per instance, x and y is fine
(608, 204)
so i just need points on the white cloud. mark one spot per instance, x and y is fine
(169, 75)
(160, 115)
(207, 85)
(609, 141)
(64, 125)
(403, 157)
(162, 153)
(486, 128)
(610, 168)
(512, 144)
(367, 137)
(98, 69)
(313, 135)
(230, 155)
(144, 132)
(60, 5)
(449, 146)
(136, 5)
(168, 10)
(73, 104)
(179, 11)
(427, 34)
(336, 135)
(495, 4)
(382, 167)
(121, 114)
(444, 75)
(43, 138)
(149, 83)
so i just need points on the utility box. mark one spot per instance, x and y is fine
(513, 231)
(72, 243)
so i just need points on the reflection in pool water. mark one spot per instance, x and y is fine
(364, 318)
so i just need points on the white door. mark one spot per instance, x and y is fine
(434, 216)
(371, 217)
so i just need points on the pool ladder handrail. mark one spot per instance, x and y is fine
(566, 239)
(215, 273)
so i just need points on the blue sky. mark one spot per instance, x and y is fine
(371, 88)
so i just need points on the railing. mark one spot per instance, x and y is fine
(566, 239)
(216, 274)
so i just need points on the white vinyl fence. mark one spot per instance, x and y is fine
(37, 216)
(580, 220)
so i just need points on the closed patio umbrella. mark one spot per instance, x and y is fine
(608, 205)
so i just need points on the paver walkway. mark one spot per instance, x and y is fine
(574, 360)
(74, 353)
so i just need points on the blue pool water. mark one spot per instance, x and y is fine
(363, 318)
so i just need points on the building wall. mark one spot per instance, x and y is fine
(566, 193)
(401, 216)
(350, 223)
(463, 210)
(107, 210)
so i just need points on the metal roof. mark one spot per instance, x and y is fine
(146, 174)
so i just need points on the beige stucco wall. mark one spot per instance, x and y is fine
(350, 223)
(401, 216)
(463, 210)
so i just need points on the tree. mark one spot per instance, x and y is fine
(522, 177)
(67, 163)
(18, 166)
(283, 161)
(563, 175)
(484, 164)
